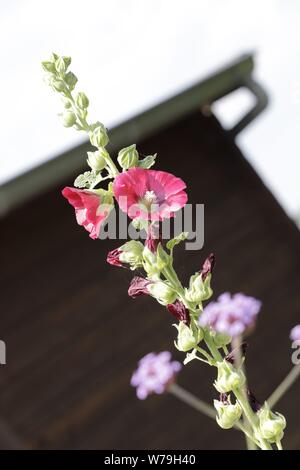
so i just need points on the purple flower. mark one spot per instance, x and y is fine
(295, 333)
(231, 314)
(155, 372)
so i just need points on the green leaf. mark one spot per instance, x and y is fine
(147, 162)
(176, 240)
(89, 179)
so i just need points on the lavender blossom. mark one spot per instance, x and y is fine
(231, 314)
(154, 374)
(295, 333)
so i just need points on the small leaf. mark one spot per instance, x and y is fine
(86, 180)
(147, 162)
(176, 240)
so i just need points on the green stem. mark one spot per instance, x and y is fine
(236, 345)
(284, 386)
(251, 417)
(200, 405)
(279, 445)
(192, 401)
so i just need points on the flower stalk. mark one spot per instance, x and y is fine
(149, 197)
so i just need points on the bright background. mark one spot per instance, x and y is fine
(131, 54)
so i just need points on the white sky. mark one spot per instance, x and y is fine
(130, 54)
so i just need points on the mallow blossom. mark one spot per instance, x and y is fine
(232, 315)
(149, 194)
(155, 372)
(90, 209)
(295, 333)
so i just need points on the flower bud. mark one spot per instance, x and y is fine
(138, 286)
(228, 378)
(58, 84)
(199, 288)
(67, 60)
(68, 118)
(227, 413)
(82, 100)
(150, 264)
(132, 253)
(96, 160)
(179, 311)
(163, 293)
(188, 336)
(271, 425)
(220, 339)
(128, 157)
(163, 259)
(98, 136)
(48, 66)
(71, 80)
(60, 65)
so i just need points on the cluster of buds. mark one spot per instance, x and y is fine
(64, 82)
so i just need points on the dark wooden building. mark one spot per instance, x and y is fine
(73, 336)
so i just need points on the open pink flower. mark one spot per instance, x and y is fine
(90, 212)
(149, 194)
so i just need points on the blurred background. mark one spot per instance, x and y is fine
(66, 381)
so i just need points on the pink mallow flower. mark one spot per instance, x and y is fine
(295, 333)
(149, 194)
(232, 315)
(155, 372)
(89, 209)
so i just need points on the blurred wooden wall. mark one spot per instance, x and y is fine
(74, 337)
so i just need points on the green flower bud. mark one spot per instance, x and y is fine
(98, 136)
(132, 254)
(96, 160)
(163, 259)
(162, 292)
(220, 339)
(271, 425)
(71, 80)
(82, 100)
(67, 60)
(58, 84)
(199, 290)
(150, 264)
(227, 413)
(68, 118)
(128, 157)
(188, 336)
(53, 57)
(228, 378)
(48, 66)
(60, 65)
